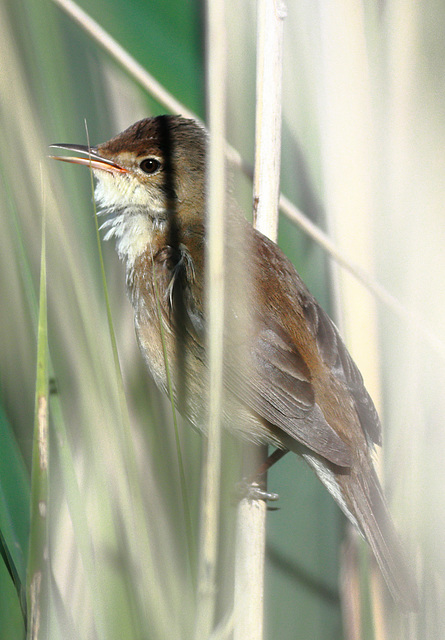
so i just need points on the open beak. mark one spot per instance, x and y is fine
(93, 159)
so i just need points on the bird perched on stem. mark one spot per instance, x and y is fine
(289, 379)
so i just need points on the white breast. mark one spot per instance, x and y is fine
(132, 214)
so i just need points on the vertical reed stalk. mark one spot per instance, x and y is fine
(38, 569)
(216, 109)
(251, 521)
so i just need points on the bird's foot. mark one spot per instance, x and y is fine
(245, 489)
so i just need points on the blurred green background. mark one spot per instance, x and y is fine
(363, 134)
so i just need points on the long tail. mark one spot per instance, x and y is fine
(360, 496)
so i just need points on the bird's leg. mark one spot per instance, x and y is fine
(268, 463)
(252, 486)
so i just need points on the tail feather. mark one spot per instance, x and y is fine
(364, 494)
(359, 495)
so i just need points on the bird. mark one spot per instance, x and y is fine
(289, 380)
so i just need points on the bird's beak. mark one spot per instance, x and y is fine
(93, 159)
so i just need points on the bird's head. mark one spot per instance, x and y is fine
(151, 171)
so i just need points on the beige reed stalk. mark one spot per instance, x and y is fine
(251, 517)
(216, 109)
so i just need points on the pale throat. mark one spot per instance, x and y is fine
(133, 215)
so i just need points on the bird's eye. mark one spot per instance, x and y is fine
(150, 165)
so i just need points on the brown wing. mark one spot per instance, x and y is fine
(279, 389)
(335, 355)
(276, 273)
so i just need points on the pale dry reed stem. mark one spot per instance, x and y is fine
(251, 517)
(215, 300)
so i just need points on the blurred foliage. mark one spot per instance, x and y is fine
(14, 532)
